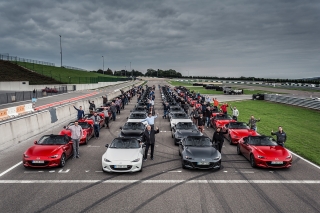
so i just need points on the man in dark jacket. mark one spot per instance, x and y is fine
(207, 115)
(218, 138)
(80, 112)
(92, 106)
(149, 138)
(201, 122)
(281, 136)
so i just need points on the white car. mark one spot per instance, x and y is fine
(179, 117)
(137, 117)
(123, 155)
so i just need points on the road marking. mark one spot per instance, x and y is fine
(87, 170)
(92, 146)
(167, 181)
(61, 171)
(8, 170)
(30, 172)
(52, 171)
(174, 171)
(305, 159)
(99, 171)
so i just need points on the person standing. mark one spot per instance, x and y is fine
(106, 116)
(218, 138)
(215, 103)
(281, 136)
(235, 113)
(194, 114)
(201, 122)
(253, 123)
(92, 106)
(149, 138)
(80, 112)
(118, 104)
(76, 134)
(113, 109)
(207, 115)
(150, 119)
(96, 124)
(104, 100)
(224, 108)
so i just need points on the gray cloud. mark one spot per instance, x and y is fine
(278, 39)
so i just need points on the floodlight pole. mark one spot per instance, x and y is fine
(60, 50)
(103, 65)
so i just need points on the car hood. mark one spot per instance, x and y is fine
(202, 152)
(137, 120)
(272, 151)
(43, 150)
(133, 132)
(175, 121)
(243, 132)
(121, 154)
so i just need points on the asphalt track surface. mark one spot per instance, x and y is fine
(65, 96)
(162, 186)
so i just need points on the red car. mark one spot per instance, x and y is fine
(238, 130)
(87, 118)
(263, 151)
(100, 110)
(49, 151)
(87, 131)
(214, 111)
(220, 120)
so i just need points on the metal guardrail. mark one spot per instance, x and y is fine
(302, 102)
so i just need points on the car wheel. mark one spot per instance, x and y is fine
(238, 150)
(172, 134)
(183, 166)
(87, 139)
(252, 161)
(62, 160)
(141, 168)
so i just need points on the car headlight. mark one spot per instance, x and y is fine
(217, 158)
(260, 156)
(25, 156)
(188, 157)
(136, 160)
(106, 160)
(289, 156)
(54, 156)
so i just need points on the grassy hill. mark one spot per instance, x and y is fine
(13, 72)
(69, 76)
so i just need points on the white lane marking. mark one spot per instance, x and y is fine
(52, 171)
(61, 171)
(98, 171)
(8, 170)
(167, 181)
(30, 172)
(174, 171)
(318, 167)
(87, 170)
(92, 146)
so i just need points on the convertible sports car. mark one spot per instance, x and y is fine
(184, 129)
(137, 117)
(123, 155)
(49, 151)
(263, 151)
(139, 109)
(174, 109)
(133, 130)
(238, 130)
(87, 118)
(87, 131)
(100, 110)
(197, 152)
(178, 117)
(221, 120)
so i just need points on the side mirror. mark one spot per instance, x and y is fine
(35, 142)
(107, 145)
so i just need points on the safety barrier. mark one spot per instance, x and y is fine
(4, 114)
(12, 112)
(302, 102)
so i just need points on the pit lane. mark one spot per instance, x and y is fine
(163, 186)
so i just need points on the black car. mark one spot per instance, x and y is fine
(139, 109)
(197, 152)
(133, 130)
(184, 129)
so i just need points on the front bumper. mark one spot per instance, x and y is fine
(193, 164)
(47, 163)
(264, 163)
(131, 166)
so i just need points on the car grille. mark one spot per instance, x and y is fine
(38, 164)
(121, 169)
(276, 165)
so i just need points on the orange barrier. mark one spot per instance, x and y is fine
(21, 109)
(4, 114)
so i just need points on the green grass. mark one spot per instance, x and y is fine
(70, 76)
(300, 124)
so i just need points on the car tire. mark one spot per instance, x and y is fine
(62, 161)
(252, 161)
(238, 150)
(183, 166)
(172, 134)
(86, 142)
(141, 168)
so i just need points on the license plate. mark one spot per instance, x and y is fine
(277, 162)
(203, 163)
(120, 166)
(37, 161)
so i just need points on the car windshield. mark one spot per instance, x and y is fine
(53, 140)
(135, 125)
(187, 125)
(199, 142)
(84, 125)
(262, 141)
(139, 109)
(137, 116)
(175, 109)
(223, 117)
(179, 116)
(99, 109)
(238, 125)
(124, 144)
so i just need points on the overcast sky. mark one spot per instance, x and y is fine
(229, 38)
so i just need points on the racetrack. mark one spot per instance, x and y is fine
(163, 186)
